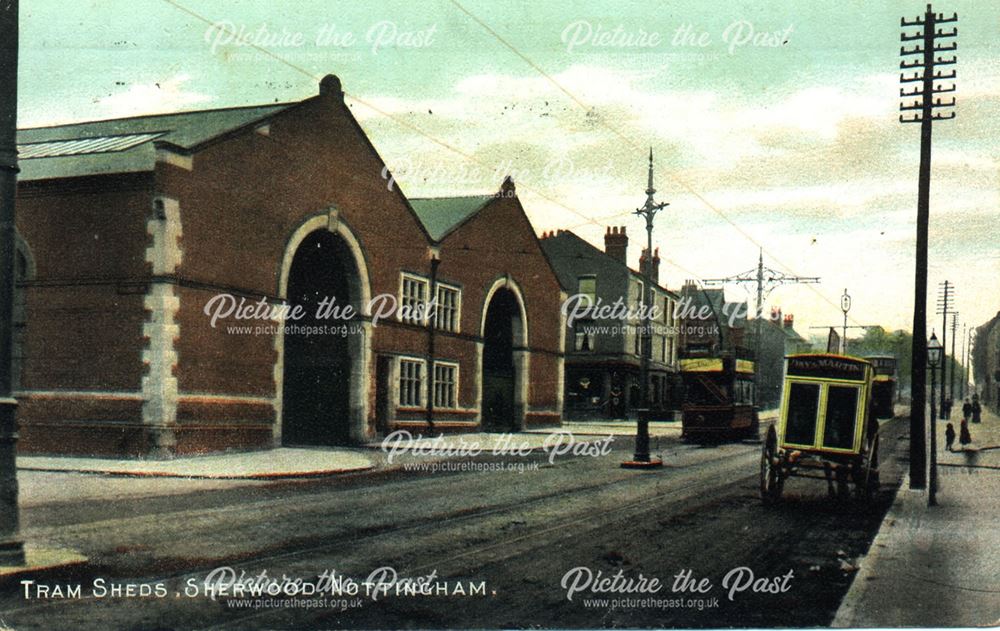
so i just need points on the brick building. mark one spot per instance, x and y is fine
(603, 356)
(986, 363)
(135, 236)
(778, 340)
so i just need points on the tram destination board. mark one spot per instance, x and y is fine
(825, 367)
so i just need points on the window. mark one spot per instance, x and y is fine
(445, 385)
(446, 312)
(637, 340)
(587, 286)
(803, 404)
(641, 291)
(413, 299)
(411, 382)
(584, 336)
(841, 410)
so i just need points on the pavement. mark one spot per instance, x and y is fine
(937, 565)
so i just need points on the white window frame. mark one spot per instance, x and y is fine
(421, 382)
(456, 310)
(404, 299)
(579, 289)
(455, 366)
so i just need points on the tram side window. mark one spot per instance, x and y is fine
(803, 404)
(841, 410)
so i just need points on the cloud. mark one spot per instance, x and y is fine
(168, 95)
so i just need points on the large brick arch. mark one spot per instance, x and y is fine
(360, 345)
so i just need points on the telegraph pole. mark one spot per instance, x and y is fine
(11, 546)
(954, 364)
(965, 360)
(946, 295)
(766, 280)
(923, 105)
(648, 212)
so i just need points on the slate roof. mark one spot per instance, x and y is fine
(565, 247)
(125, 145)
(442, 215)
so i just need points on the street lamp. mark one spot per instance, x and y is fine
(933, 359)
(845, 306)
(641, 458)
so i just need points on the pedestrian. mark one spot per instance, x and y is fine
(949, 436)
(947, 408)
(966, 410)
(964, 437)
(977, 410)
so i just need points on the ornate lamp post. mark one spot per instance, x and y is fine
(641, 459)
(933, 360)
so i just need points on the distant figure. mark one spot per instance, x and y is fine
(966, 410)
(977, 410)
(946, 409)
(964, 437)
(949, 436)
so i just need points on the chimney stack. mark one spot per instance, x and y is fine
(616, 243)
(644, 261)
(789, 321)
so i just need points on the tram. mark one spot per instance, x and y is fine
(718, 399)
(884, 385)
(827, 428)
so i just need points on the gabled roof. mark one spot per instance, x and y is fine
(442, 215)
(125, 145)
(566, 245)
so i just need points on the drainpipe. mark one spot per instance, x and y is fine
(435, 256)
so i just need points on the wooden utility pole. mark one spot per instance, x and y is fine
(946, 299)
(923, 102)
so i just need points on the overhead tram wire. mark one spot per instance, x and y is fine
(687, 187)
(415, 128)
(381, 112)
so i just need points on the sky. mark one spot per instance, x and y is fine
(774, 124)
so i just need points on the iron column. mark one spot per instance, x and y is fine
(11, 546)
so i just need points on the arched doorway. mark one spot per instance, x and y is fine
(503, 363)
(317, 370)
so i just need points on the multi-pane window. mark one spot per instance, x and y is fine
(445, 385)
(411, 382)
(587, 286)
(446, 312)
(584, 336)
(413, 299)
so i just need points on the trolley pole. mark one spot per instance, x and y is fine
(641, 459)
(11, 546)
(923, 104)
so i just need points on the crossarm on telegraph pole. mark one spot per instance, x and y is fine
(923, 100)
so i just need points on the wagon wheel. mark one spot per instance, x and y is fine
(771, 481)
(870, 483)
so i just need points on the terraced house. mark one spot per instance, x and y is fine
(139, 237)
(603, 356)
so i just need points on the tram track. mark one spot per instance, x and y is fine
(346, 539)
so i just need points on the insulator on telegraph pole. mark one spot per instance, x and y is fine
(921, 66)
